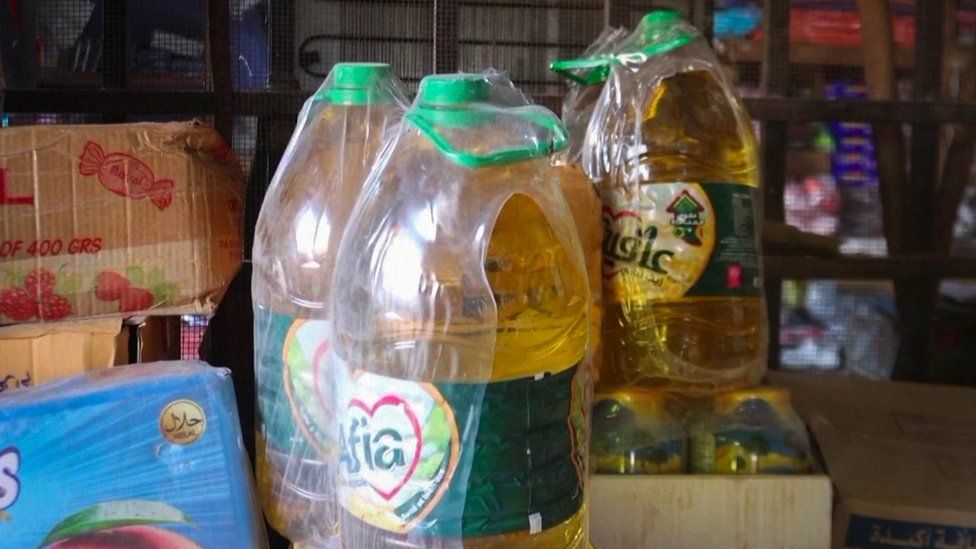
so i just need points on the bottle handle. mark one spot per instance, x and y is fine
(505, 156)
(597, 69)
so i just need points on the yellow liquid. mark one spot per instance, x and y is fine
(540, 294)
(542, 327)
(585, 205)
(694, 131)
(294, 260)
(288, 510)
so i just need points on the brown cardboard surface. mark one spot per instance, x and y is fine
(782, 511)
(31, 354)
(915, 412)
(120, 219)
(902, 457)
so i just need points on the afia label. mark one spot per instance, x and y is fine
(399, 447)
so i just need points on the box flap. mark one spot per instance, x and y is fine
(902, 456)
(911, 412)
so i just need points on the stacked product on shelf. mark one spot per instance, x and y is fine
(109, 222)
(684, 333)
(853, 165)
(136, 456)
(451, 348)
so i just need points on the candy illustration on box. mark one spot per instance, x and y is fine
(140, 456)
(125, 175)
(119, 205)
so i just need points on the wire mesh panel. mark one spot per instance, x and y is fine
(522, 38)
(167, 44)
(330, 31)
(818, 171)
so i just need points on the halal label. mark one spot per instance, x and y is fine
(182, 422)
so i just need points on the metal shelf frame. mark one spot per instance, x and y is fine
(915, 271)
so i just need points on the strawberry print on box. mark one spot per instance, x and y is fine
(116, 220)
(36, 298)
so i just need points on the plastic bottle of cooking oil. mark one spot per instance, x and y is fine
(461, 333)
(297, 237)
(749, 431)
(675, 156)
(638, 432)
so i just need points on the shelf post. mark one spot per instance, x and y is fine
(775, 81)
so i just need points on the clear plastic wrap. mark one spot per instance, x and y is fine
(133, 456)
(339, 133)
(637, 432)
(461, 316)
(674, 155)
(748, 431)
(585, 88)
(584, 202)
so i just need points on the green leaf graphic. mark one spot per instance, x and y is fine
(68, 285)
(113, 514)
(136, 275)
(164, 293)
(155, 277)
(436, 431)
(427, 468)
(13, 278)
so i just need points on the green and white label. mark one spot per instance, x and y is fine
(398, 449)
(468, 459)
(293, 366)
(664, 241)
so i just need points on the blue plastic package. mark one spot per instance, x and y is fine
(145, 456)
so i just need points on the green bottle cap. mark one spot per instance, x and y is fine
(663, 15)
(664, 30)
(448, 97)
(658, 32)
(356, 83)
(453, 89)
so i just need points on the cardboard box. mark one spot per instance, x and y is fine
(116, 220)
(902, 457)
(32, 354)
(782, 511)
(148, 339)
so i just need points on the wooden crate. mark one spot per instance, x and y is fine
(710, 511)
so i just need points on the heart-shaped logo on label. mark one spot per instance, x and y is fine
(386, 437)
(398, 448)
(307, 363)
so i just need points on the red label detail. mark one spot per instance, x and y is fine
(733, 276)
(48, 247)
(125, 175)
(393, 400)
(622, 213)
(6, 197)
(222, 153)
